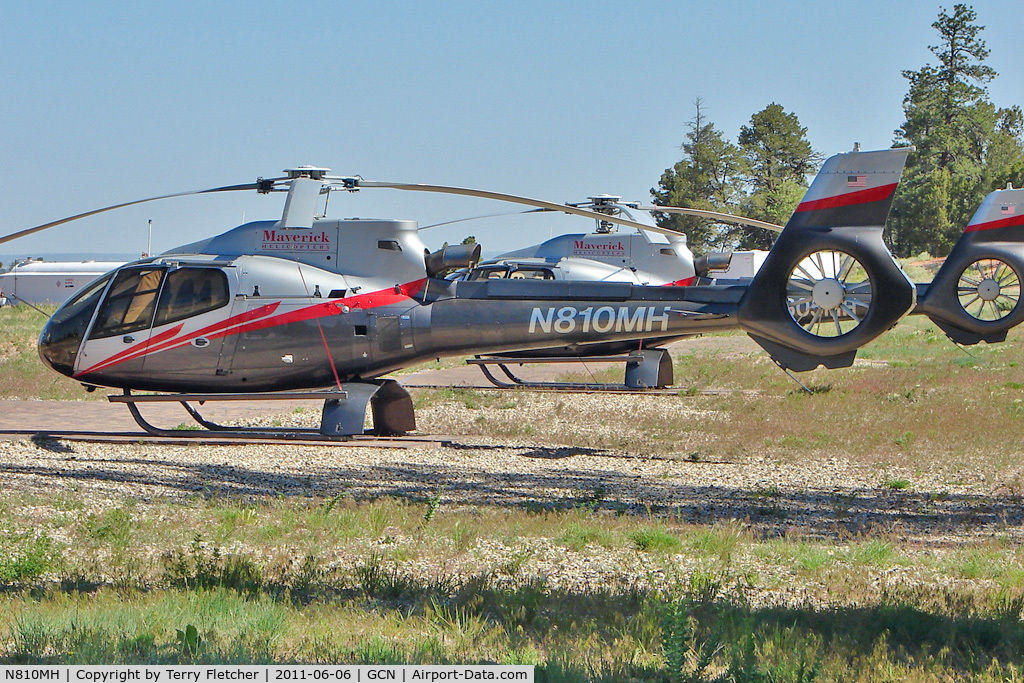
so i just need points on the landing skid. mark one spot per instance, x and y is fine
(650, 369)
(342, 418)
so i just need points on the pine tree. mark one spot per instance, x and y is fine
(780, 158)
(708, 177)
(965, 146)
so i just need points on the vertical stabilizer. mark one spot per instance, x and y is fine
(829, 284)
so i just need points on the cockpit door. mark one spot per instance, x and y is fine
(192, 319)
(158, 325)
(120, 332)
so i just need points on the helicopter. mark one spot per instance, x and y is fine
(272, 308)
(608, 255)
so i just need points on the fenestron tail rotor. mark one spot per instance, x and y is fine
(976, 294)
(828, 293)
(829, 284)
(988, 289)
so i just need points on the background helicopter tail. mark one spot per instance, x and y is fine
(829, 284)
(975, 295)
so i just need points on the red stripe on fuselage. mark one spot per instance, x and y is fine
(256, 320)
(995, 225)
(165, 340)
(376, 299)
(134, 351)
(685, 282)
(874, 194)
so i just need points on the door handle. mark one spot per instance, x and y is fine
(128, 339)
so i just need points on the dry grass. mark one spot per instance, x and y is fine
(398, 580)
(22, 374)
(593, 589)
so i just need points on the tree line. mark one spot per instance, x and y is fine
(965, 148)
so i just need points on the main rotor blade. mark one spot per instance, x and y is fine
(724, 217)
(62, 221)
(486, 215)
(515, 199)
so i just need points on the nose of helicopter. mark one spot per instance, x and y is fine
(58, 349)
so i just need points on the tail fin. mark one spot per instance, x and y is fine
(830, 285)
(976, 294)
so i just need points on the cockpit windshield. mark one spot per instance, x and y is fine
(85, 300)
(63, 333)
(129, 304)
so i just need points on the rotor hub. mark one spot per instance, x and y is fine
(828, 293)
(988, 289)
(314, 172)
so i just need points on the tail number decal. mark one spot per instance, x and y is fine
(602, 320)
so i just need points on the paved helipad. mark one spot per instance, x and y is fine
(21, 417)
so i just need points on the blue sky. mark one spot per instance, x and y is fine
(105, 102)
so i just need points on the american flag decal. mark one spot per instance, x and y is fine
(1008, 210)
(856, 180)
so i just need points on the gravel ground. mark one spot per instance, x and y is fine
(830, 497)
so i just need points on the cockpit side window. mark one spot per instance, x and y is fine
(532, 274)
(129, 304)
(489, 273)
(191, 291)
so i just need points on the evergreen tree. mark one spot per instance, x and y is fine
(965, 146)
(708, 177)
(779, 159)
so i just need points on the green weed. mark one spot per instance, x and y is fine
(654, 539)
(28, 557)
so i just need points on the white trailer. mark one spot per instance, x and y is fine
(49, 282)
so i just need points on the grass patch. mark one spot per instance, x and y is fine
(28, 557)
(578, 536)
(22, 374)
(404, 580)
(654, 539)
